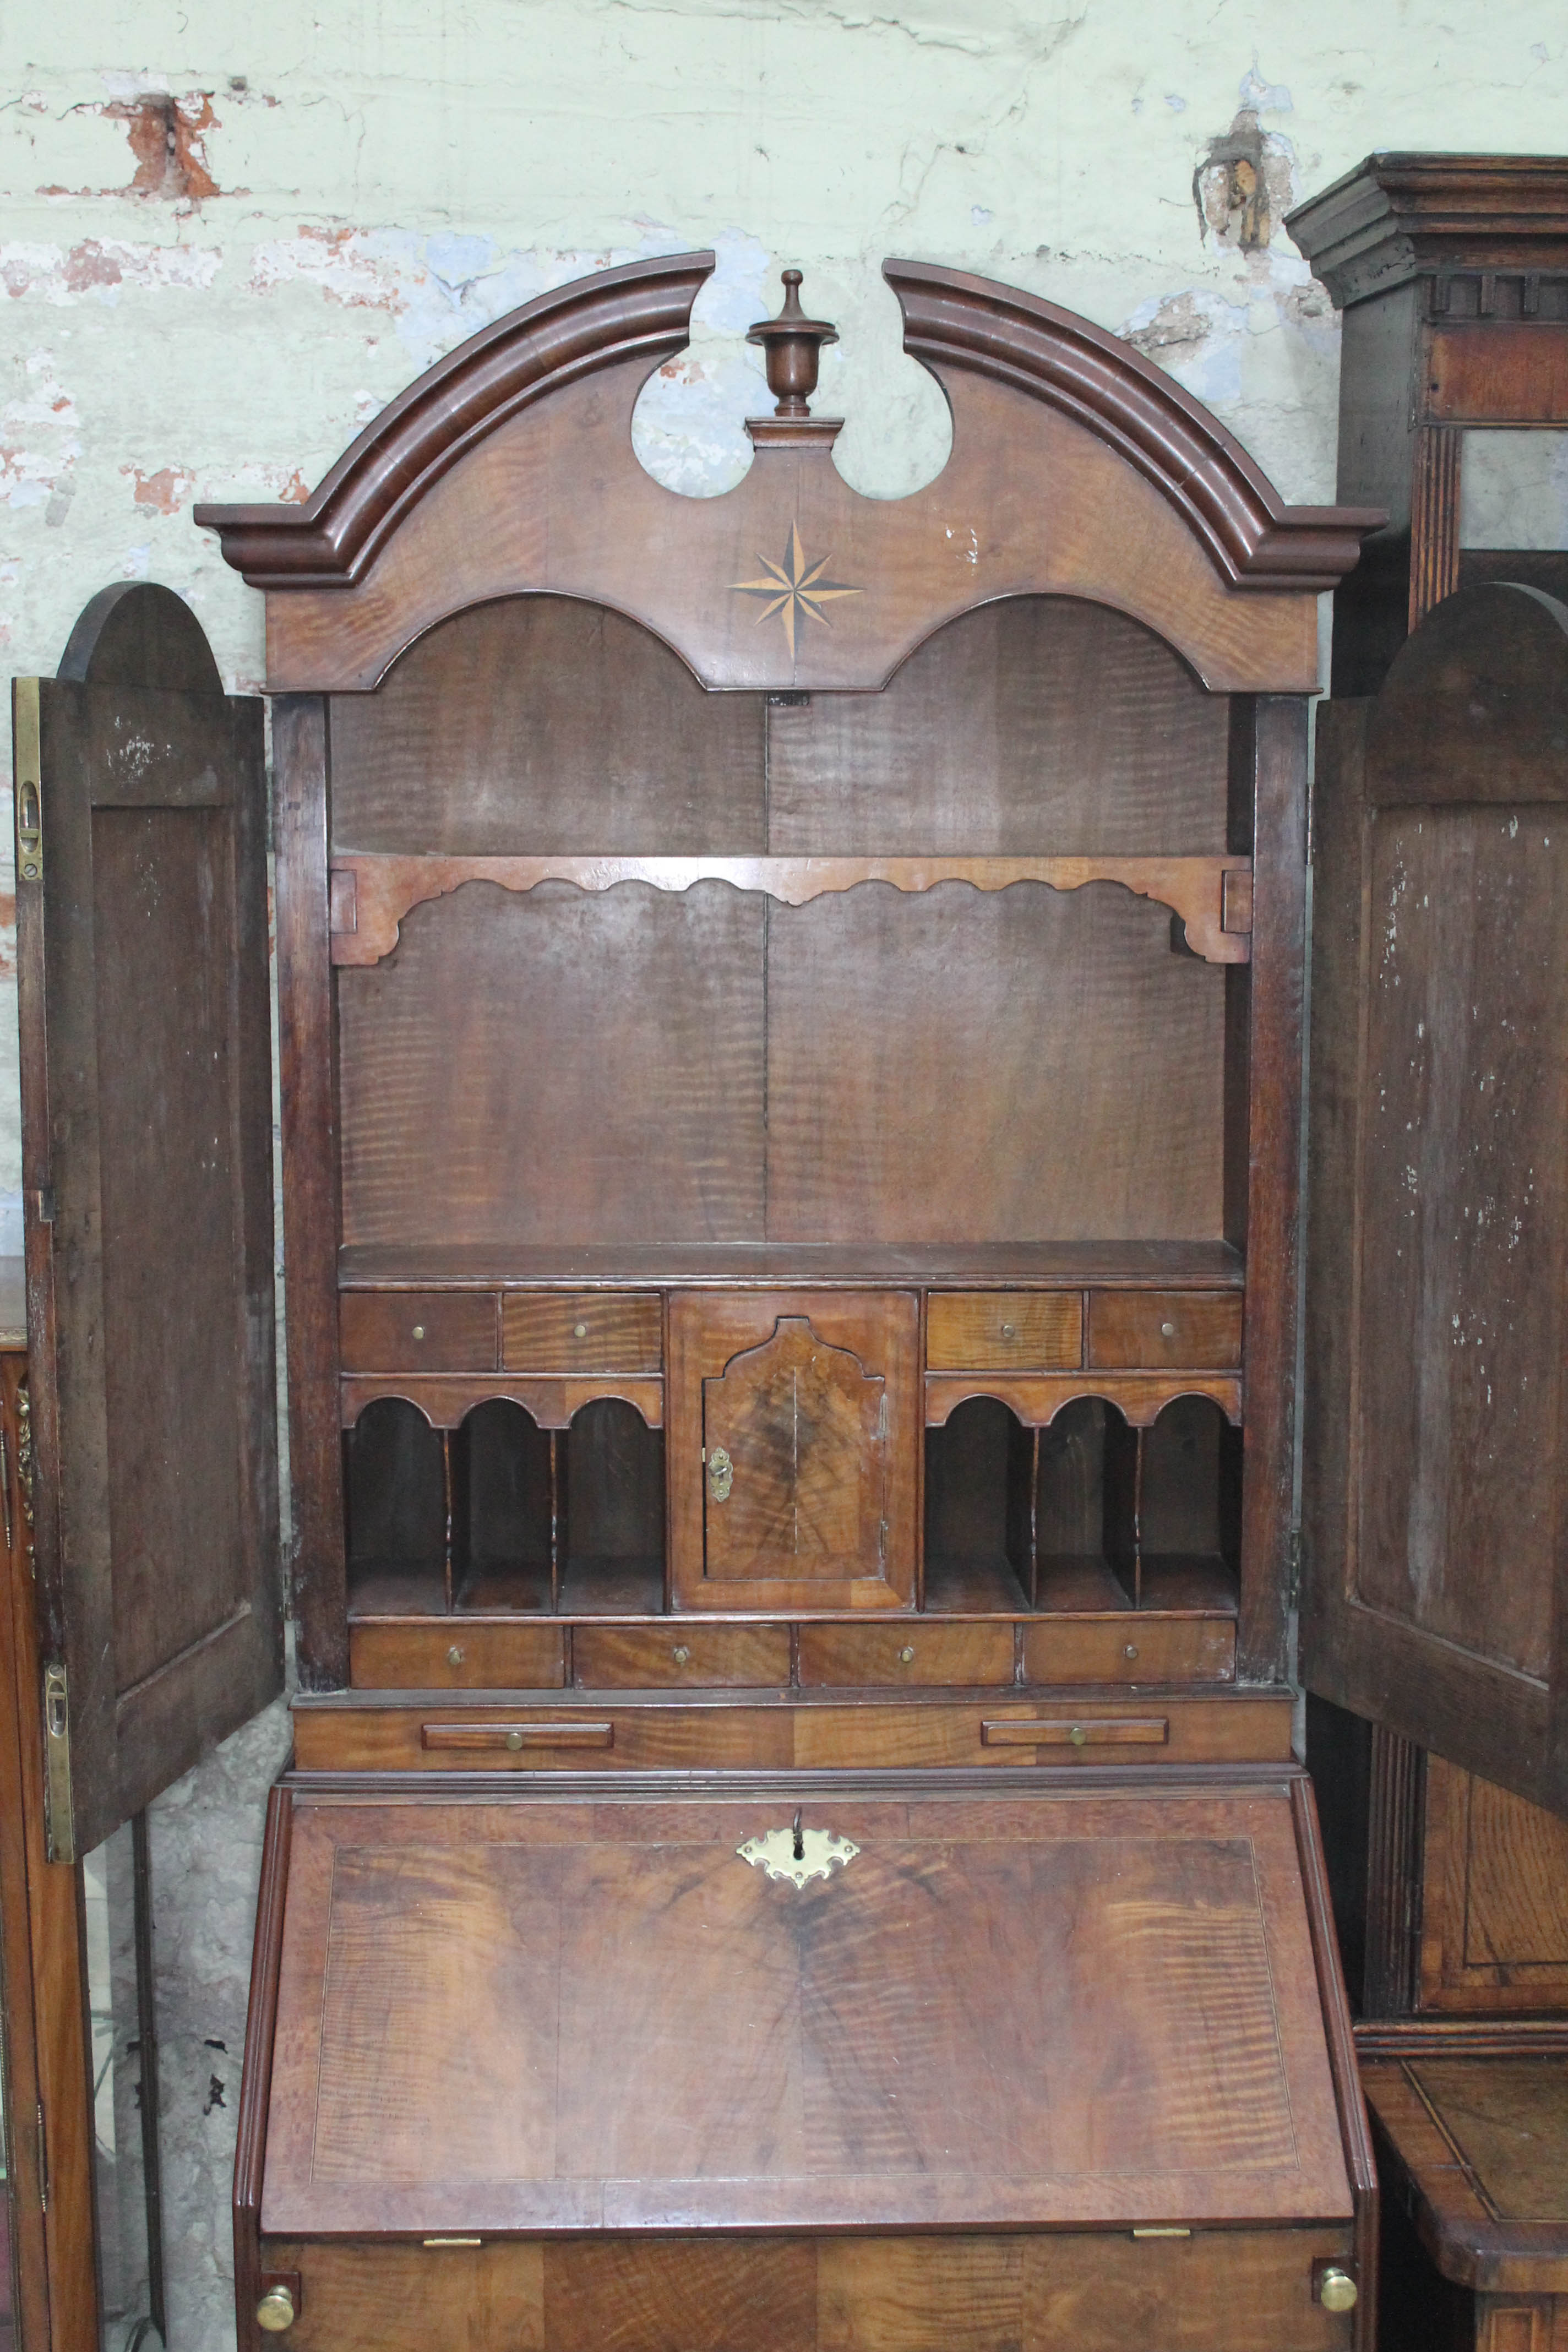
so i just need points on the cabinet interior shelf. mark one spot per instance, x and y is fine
(871, 1265)
(372, 891)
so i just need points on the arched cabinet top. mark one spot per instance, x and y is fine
(1077, 468)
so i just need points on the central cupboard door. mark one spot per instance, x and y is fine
(794, 1430)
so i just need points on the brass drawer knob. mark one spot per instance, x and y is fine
(1337, 2290)
(419, 1331)
(579, 1330)
(1130, 1650)
(907, 1654)
(681, 1654)
(453, 1655)
(514, 1740)
(1009, 1330)
(1167, 1330)
(275, 2312)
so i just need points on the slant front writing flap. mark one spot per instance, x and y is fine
(146, 1120)
(1436, 1311)
(564, 2015)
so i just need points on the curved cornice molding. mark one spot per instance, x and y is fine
(642, 311)
(953, 320)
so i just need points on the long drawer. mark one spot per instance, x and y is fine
(1097, 2290)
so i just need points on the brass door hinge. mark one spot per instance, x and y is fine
(57, 1816)
(29, 784)
(43, 2161)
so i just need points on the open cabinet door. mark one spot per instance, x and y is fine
(1434, 1478)
(147, 1171)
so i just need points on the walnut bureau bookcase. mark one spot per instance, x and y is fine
(790, 1026)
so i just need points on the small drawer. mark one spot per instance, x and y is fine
(1147, 1330)
(656, 1657)
(456, 1654)
(856, 1657)
(995, 1330)
(417, 1330)
(582, 1331)
(1131, 1649)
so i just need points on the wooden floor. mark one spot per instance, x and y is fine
(541, 2015)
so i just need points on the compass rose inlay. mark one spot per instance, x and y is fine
(793, 587)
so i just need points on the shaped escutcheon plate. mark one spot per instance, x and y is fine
(798, 1854)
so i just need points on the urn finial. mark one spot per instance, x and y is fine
(791, 342)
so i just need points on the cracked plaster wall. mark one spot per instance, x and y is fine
(231, 232)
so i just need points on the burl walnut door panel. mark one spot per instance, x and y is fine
(794, 1424)
(1437, 1313)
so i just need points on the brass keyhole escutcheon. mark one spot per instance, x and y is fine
(720, 1474)
(275, 2312)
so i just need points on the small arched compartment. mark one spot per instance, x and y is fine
(395, 1480)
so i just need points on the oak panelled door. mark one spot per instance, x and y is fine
(1434, 1465)
(798, 1489)
(146, 1118)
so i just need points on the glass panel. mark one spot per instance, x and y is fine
(1513, 491)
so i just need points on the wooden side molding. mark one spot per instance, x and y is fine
(553, 1402)
(372, 892)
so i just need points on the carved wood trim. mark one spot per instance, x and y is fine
(553, 1401)
(1434, 519)
(955, 319)
(1393, 1875)
(1036, 1397)
(641, 311)
(372, 892)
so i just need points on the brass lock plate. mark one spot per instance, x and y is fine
(798, 1854)
(720, 1474)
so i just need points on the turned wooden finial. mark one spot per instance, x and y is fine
(791, 342)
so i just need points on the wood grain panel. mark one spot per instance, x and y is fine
(542, 723)
(664, 1738)
(457, 1655)
(1058, 2009)
(417, 1330)
(1507, 2121)
(1151, 1329)
(1494, 1921)
(976, 1330)
(1132, 1649)
(910, 2294)
(913, 1652)
(1068, 1064)
(861, 1353)
(486, 1097)
(681, 2294)
(986, 741)
(382, 2296)
(608, 1657)
(1464, 1189)
(1207, 2293)
(582, 1331)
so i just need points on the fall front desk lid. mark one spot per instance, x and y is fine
(967, 2012)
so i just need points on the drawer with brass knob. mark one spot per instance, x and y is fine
(452, 1654)
(851, 1657)
(1151, 1331)
(582, 1331)
(654, 1657)
(1131, 1648)
(1003, 1331)
(417, 1330)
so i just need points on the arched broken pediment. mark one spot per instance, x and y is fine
(1077, 469)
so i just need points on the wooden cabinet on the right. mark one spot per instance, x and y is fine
(1435, 1485)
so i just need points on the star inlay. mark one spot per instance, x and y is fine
(794, 586)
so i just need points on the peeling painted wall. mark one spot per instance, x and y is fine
(231, 232)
